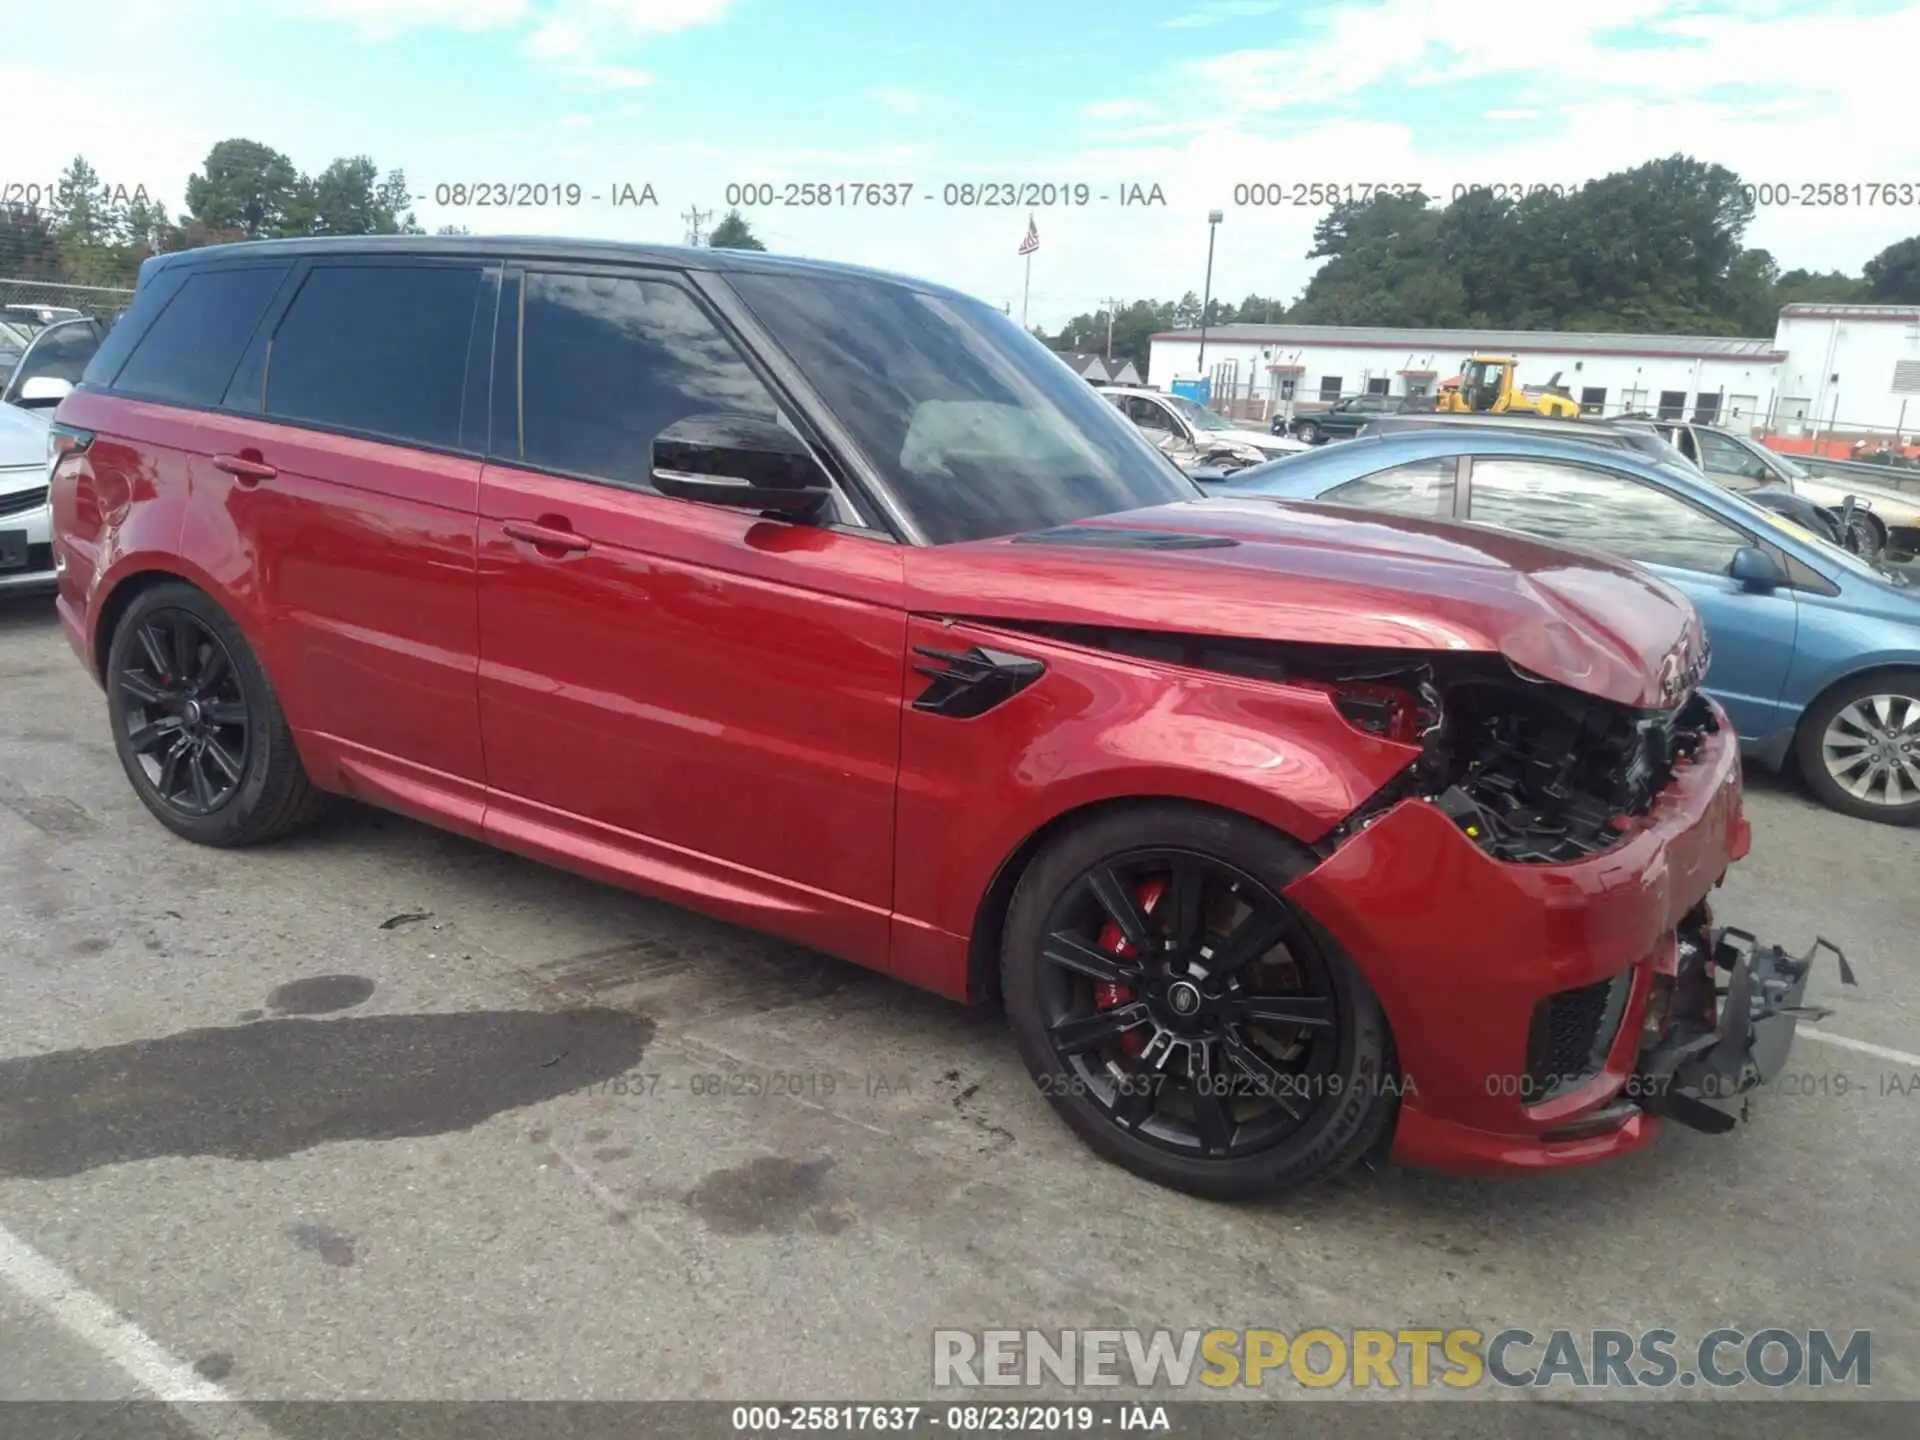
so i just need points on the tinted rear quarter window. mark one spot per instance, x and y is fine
(189, 352)
(376, 349)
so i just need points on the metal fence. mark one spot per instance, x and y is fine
(100, 301)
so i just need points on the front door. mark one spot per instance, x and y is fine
(1751, 633)
(686, 697)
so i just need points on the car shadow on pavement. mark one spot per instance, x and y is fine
(270, 1089)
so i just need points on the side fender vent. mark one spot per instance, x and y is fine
(969, 683)
(1109, 537)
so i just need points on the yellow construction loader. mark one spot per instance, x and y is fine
(1485, 387)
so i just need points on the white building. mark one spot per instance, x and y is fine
(1847, 367)
(1262, 368)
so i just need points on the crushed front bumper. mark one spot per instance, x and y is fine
(1710, 1045)
(1463, 951)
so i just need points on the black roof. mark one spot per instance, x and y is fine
(547, 248)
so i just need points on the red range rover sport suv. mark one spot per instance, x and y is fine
(830, 602)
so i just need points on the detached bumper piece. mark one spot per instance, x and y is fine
(1697, 1064)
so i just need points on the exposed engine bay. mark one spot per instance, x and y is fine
(1533, 771)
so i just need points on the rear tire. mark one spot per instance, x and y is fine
(1309, 432)
(1259, 1059)
(197, 726)
(1859, 747)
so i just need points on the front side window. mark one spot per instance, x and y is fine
(376, 349)
(1148, 414)
(1602, 510)
(608, 362)
(1423, 488)
(976, 427)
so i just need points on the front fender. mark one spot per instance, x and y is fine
(1098, 727)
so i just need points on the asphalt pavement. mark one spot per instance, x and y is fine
(381, 1114)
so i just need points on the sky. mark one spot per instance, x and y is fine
(1195, 97)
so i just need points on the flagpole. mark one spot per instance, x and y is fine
(1025, 286)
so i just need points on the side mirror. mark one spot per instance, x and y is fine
(43, 391)
(1756, 569)
(739, 460)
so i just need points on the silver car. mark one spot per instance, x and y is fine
(47, 370)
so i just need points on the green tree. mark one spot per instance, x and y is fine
(342, 198)
(251, 188)
(393, 207)
(1893, 276)
(733, 233)
(27, 246)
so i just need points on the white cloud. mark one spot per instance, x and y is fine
(1512, 113)
(575, 122)
(558, 40)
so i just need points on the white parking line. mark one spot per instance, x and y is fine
(137, 1355)
(1865, 1047)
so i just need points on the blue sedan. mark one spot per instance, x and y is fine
(1815, 654)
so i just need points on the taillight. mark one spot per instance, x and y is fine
(64, 442)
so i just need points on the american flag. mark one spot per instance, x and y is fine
(1032, 241)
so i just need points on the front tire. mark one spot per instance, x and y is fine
(1859, 747)
(1309, 432)
(1185, 1020)
(197, 725)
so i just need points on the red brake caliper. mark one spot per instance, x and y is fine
(1107, 996)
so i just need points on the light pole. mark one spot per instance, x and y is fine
(1214, 217)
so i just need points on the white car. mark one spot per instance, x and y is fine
(26, 521)
(52, 362)
(1195, 425)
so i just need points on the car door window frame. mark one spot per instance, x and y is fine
(506, 430)
(246, 391)
(1463, 509)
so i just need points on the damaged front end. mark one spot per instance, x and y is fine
(1532, 771)
(1707, 1045)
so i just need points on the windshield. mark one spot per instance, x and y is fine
(1774, 526)
(1788, 466)
(976, 427)
(1195, 414)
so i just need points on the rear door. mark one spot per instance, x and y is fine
(693, 696)
(1752, 634)
(347, 487)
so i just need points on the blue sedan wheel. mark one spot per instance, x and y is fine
(1860, 748)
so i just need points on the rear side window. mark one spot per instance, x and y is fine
(1423, 488)
(377, 349)
(190, 351)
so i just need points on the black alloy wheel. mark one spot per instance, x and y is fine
(197, 725)
(1189, 1021)
(184, 712)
